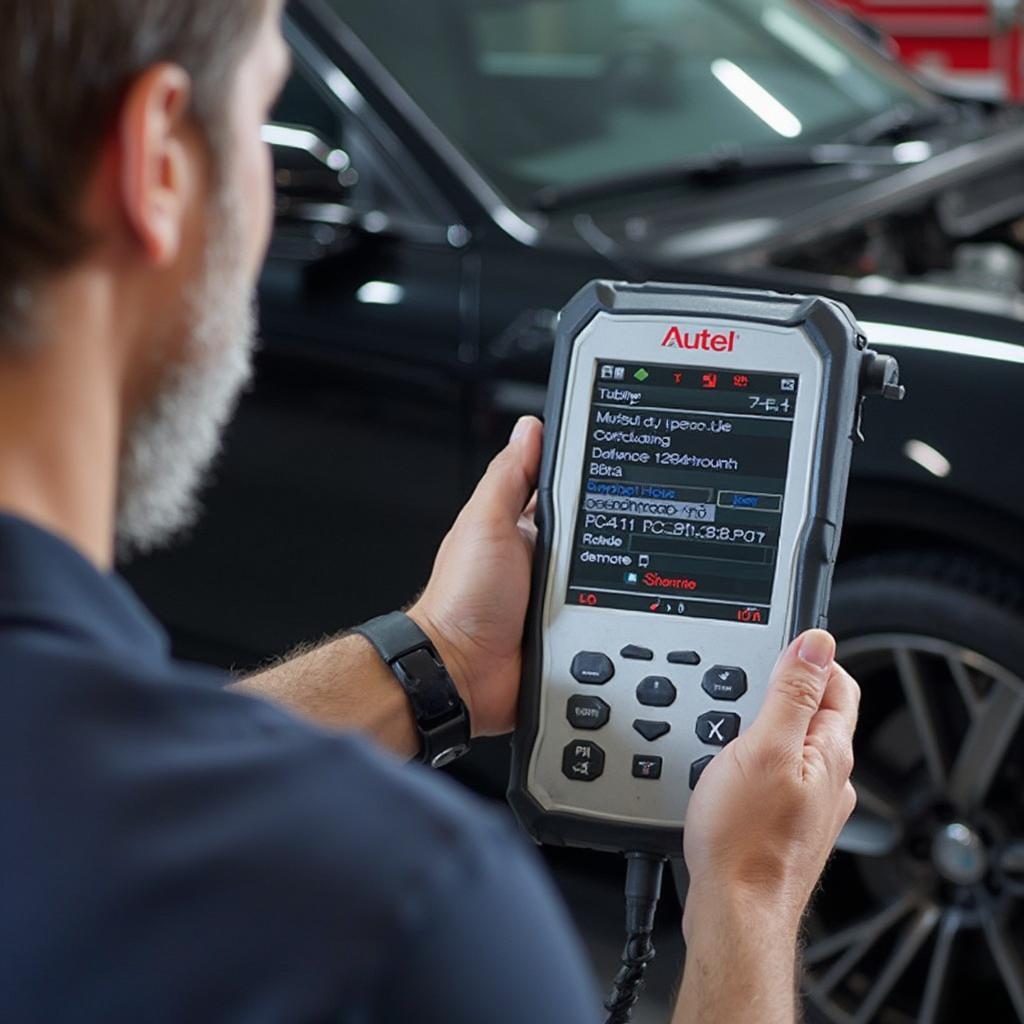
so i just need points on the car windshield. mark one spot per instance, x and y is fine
(558, 93)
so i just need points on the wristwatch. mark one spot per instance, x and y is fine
(442, 718)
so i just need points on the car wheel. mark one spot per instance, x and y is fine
(920, 918)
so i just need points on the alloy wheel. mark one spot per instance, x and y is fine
(921, 916)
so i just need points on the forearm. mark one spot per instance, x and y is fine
(740, 968)
(341, 685)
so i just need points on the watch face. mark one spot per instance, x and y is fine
(441, 718)
(433, 695)
(435, 707)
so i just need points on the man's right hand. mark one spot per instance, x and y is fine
(760, 827)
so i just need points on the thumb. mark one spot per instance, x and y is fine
(796, 689)
(511, 478)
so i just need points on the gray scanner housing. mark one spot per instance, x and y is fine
(814, 337)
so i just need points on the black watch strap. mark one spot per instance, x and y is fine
(442, 719)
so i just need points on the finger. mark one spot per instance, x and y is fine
(832, 728)
(528, 521)
(511, 478)
(796, 690)
(842, 694)
(528, 529)
(845, 805)
(831, 736)
(849, 802)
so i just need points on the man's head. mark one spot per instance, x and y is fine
(131, 165)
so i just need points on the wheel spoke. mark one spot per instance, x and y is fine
(938, 969)
(876, 826)
(1012, 860)
(871, 927)
(846, 963)
(985, 747)
(875, 796)
(962, 678)
(914, 935)
(866, 835)
(916, 691)
(1007, 957)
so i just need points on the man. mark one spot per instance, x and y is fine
(174, 850)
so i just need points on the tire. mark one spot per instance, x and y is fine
(931, 866)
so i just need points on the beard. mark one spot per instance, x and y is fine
(172, 443)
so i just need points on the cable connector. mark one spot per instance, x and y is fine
(643, 889)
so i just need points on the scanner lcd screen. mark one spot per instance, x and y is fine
(684, 479)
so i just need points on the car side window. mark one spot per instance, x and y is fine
(373, 181)
(302, 104)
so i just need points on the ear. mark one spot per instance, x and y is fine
(159, 160)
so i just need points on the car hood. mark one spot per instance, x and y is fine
(748, 224)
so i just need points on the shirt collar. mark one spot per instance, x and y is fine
(45, 583)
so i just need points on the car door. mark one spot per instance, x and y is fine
(340, 472)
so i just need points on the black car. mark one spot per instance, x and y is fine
(449, 173)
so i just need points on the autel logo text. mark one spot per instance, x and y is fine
(703, 340)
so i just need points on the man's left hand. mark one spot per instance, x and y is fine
(474, 607)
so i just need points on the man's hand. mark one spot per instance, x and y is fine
(474, 607)
(760, 827)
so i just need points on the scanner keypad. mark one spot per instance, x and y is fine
(585, 761)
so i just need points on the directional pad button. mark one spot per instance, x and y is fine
(651, 730)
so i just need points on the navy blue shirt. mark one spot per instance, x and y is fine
(173, 852)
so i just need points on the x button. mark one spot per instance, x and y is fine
(717, 728)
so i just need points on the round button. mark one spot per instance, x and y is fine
(656, 692)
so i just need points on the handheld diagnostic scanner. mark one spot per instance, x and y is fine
(697, 453)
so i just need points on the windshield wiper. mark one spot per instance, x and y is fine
(898, 123)
(713, 168)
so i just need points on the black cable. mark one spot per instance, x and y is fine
(643, 887)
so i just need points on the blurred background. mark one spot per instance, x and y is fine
(450, 172)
